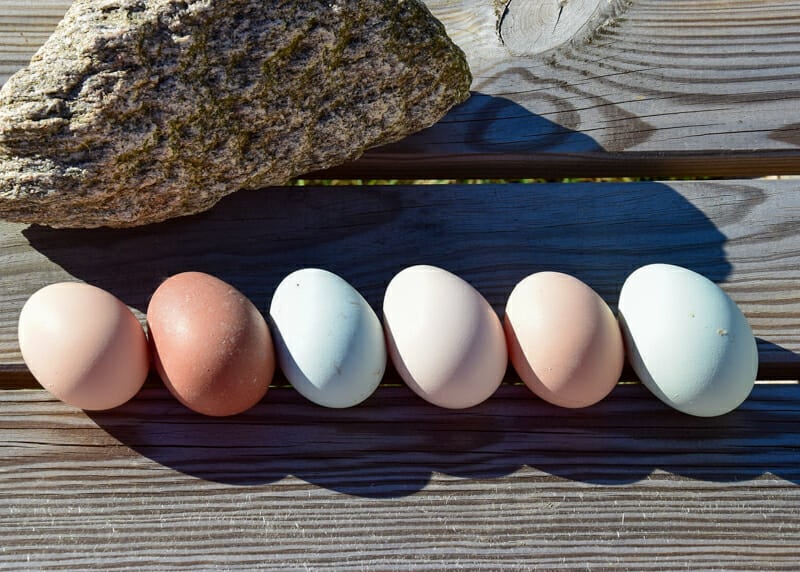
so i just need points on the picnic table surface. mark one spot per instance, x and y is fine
(661, 89)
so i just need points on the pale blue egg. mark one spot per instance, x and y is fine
(328, 339)
(688, 342)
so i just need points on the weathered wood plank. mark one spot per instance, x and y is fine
(647, 87)
(396, 484)
(742, 234)
(665, 87)
(24, 26)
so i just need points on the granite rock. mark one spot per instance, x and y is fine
(136, 111)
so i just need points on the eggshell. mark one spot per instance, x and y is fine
(328, 340)
(687, 340)
(443, 337)
(211, 346)
(83, 345)
(563, 340)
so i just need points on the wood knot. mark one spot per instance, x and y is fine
(529, 27)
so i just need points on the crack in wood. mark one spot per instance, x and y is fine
(500, 19)
(561, 4)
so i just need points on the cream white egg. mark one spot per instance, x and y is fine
(444, 338)
(688, 342)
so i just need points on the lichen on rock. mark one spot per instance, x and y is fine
(136, 111)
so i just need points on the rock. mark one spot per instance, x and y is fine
(136, 111)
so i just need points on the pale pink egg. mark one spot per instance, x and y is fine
(563, 340)
(83, 345)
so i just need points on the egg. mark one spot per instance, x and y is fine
(688, 342)
(443, 337)
(83, 345)
(211, 345)
(564, 341)
(328, 340)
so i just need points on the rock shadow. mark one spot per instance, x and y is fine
(486, 123)
(491, 235)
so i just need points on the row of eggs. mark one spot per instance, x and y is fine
(684, 337)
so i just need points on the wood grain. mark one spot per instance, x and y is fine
(24, 27)
(741, 234)
(531, 27)
(646, 87)
(397, 484)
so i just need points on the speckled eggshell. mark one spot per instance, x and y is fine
(328, 340)
(443, 337)
(563, 340)
(687, 340)
(83, 345)
(211, 345)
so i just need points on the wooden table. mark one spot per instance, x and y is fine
(655, 88)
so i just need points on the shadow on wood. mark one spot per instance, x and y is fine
(376, 450)
(492, 235)
(486, 123)
(776, 361)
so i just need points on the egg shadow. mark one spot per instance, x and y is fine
(390, 446)
(491, 235)
(776, 361)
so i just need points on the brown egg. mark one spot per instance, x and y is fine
(83, 345)
(563, 340)
(211, 345)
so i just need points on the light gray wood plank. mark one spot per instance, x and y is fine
(741, 234)
(397, 484)
(645, 87)
(651, 75)
(24, 27)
